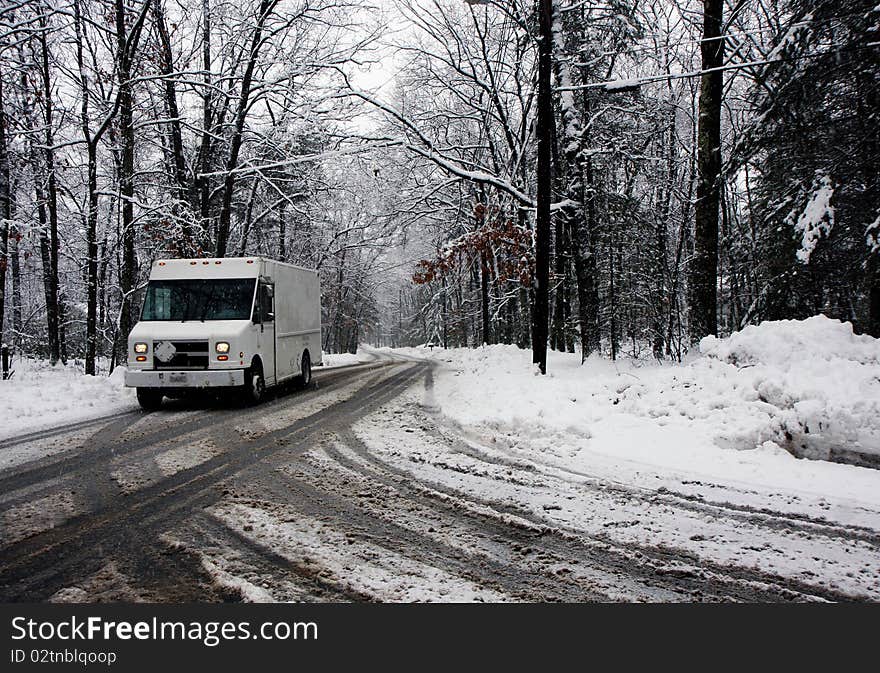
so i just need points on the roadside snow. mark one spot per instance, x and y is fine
(818, 383)
(331, 360)
(804, 387)
(40, 396)
(734, 413)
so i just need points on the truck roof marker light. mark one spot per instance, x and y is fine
(218, 262)
(161, 263)
(192, 263)
(205, 262)
(250, 261)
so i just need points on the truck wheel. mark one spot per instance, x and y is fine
(305, 378)
(254, 384)
(150, 399)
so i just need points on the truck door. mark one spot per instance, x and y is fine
(266, 330)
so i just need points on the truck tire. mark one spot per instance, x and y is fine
(305, 378)
(150, 399)
(254, 384)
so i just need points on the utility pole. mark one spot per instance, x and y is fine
(541, 313)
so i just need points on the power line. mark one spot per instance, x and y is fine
(642, 48)
(627, 84)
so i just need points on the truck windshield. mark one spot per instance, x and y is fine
(213, 299)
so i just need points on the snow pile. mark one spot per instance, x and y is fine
(343, 359)
(40, 396)
(807, 387)
(817, 381)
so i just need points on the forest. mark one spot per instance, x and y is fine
(592, 176)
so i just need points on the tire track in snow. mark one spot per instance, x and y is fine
(37, 567)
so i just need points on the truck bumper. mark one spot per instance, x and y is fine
(201, 378)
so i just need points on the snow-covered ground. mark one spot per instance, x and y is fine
(484, 481)
(692, 456)
(332, 360)
(743, 404)
(41, 396)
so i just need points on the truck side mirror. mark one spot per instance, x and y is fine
(270, 317)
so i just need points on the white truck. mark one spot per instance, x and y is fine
(241, 323)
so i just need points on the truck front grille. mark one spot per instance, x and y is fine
(188, 355)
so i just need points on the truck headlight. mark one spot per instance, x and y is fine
(140, 347)
(222, 347)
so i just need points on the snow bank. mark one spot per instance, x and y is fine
(40, 396)
(344, 359)
(817, 382)
(738, 410)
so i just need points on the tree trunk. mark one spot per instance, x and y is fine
(53, 309)
(661, 266)
(282, 233)
(45, 258)
(703, 301)
(36, 160)
(128, 272)
(15, 266)
(560, 316)
(484, 298)
(166, 67)
(873, 269)
(266, 7)
(178, 164)
(545, 122)
(248, 220)
(5, 206)
(202, 184)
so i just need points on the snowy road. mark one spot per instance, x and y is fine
(358, 490)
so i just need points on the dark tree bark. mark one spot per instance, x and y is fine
(444, 313)
(576, 222)
(91, 142)
(42, 219)
(545, 123)
(53, 307)
(178, 163)
(15, 267)
(873, 322)
(201, 186)
(560, 309)
(126, 45)
(5, 206)
(249, 218)
(484, 298)
(661, 232)
(702, 293)
(282, 233)
(266, 7)
(584, 250)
